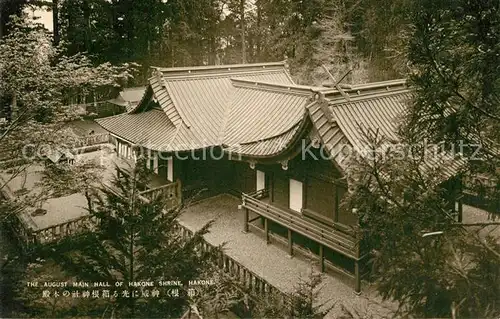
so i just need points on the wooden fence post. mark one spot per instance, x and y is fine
(179, 192)
(321, 258)
(266, 227)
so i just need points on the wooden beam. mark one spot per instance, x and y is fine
(290, 243)
(245, 221)
(321, 258)
(266, 227)
(357, 278)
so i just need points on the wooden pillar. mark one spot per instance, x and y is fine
(290, 243)
(179, 191)
(266, 227)
(357, 278)
(321, 258)
(460, 209)
(245, 221)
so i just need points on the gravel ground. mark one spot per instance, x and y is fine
(269, 261)
(60, 209)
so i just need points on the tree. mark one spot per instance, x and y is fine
(136, 240)
(382, 29)
(334, 47)
(305, 298)
(424, 258)
(224, 295)
(432, 265)
(23, 300)
(455, 55)
(303, 302)
(37, 88)
(9, 8)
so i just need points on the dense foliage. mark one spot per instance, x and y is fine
(364, 36)
(38, 83)
(135, 241)
(455, 56)
(423, 258)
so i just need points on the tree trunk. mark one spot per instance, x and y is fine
(55, 21)
(86, 18)
(258, 39)
(89, 201)
(243, 40)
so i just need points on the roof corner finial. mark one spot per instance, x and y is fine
(320, 96)
(336, 83)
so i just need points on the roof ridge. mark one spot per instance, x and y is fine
(175, 102)
(277, 87)
(227, 116)
(220, 67)
(367, 96)
(377, 84)
(194, 76)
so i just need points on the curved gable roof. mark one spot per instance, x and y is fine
(230, 104)
(344, 122)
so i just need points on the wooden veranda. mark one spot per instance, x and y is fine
(346, 243)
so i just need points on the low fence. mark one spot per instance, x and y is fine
(477, 193)
(172, 194)
(474, 199)
(251, 281)
(93, 139)
(56, 232)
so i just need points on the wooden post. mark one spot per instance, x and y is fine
(460, 209)
(245, 221)
(266, 227)
(179, 191)
(357, 278)
(290, 243)
(321, 258)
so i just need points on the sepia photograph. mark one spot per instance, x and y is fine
(225, 159)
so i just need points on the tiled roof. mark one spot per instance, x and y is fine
(229, 104)
(261, 110)
(203, 102)
(152, 128)
(342, 123)
(129, 97)
(268, 147)
(382, 113)
(256, 110)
